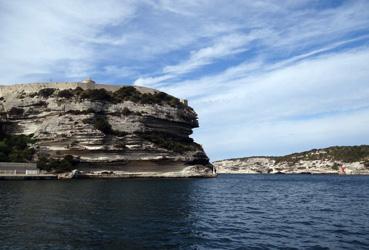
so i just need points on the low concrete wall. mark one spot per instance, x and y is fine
(27, 177)
(17, 166)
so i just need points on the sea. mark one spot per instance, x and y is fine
(228, 212)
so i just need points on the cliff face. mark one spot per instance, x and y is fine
(333, 160)
(106, 128)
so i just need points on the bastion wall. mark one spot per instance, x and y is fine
(86, 84)
(34, 87)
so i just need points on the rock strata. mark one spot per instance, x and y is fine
(121, 130)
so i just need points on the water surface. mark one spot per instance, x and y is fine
(228, 212)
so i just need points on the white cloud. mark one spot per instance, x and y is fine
(147, 81)
(277, 29)
(225, 46)
(38, 36)
(317, 92)
(222, 47)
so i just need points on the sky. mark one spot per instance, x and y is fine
(265, 77)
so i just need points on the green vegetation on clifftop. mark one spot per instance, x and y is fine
(126, 93)
(336, 153)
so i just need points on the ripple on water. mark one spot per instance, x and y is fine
(229, 212)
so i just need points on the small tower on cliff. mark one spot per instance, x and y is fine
(184, 101)
(88, 83)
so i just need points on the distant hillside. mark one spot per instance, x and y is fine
(336, 153)
(328, 160)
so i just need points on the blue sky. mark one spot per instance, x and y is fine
(265, 77)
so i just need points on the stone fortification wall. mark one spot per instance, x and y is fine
(34, 87)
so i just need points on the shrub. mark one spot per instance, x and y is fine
(14, 111)
(335, 166)
(127, 93)
(130, 93)
(16, 148)
(33, 94)
(4, 127)
(162, 98)
(46, 92)
(40, 104)
(65, 93)
(68, 163)
(126, 112)
(119, 133)
(42, 164)
(150, 99)
(170, 142)
(103, 125)
(97, 95)
(89, 120)
(80, 112)
(78, 90)
(200, 159)
(3, 157)
(17, 155)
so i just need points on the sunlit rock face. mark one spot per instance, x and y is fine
(332, 160)
(106, 127)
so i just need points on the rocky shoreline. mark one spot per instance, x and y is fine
(350, 160)
(187, 172)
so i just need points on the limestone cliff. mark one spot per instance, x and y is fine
(114, 130)
(333, 160)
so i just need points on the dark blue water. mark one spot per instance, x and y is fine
(228, 212)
